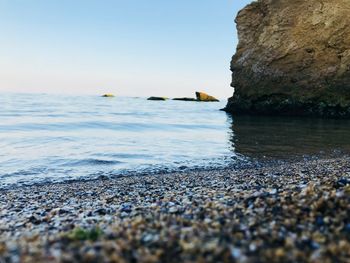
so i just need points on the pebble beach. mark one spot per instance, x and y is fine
(295, 211)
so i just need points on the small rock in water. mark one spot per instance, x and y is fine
(158, 98)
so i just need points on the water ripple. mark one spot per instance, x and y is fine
(52, 138)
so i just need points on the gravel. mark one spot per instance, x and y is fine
(277, 212)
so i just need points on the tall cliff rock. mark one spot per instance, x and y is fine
(293, 58)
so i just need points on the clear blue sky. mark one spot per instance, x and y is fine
(127, 47)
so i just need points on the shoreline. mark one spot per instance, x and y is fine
(284, 212)
(240, 163)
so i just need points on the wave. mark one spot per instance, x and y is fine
(91, 161)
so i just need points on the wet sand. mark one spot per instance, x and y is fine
(277, 212)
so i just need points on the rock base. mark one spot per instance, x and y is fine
(284, 106)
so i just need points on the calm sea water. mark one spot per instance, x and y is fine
(46, 138)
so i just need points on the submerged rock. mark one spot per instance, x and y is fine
(293, 58)
(157, 98)
(201, 96)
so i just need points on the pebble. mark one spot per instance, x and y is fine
(173, 209)
(280, 212)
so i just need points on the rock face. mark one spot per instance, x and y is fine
(293, 58)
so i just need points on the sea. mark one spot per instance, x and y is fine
(53, 138)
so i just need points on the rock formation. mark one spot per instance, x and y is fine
(158, 98)
(293, 58)
(185, 99)
(201, 96)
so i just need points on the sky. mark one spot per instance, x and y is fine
(126, 47)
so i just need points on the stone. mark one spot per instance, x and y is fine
(201, 96)
(158, 98)
(101, 211)
(342, 182)
(64, 210)
(293, 58)
(126, 207)
(35, 219)
(173, 210)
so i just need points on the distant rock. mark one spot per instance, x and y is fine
(185, 99)
(201, 96)
(158, 98)
(108, 95)
(293, 58)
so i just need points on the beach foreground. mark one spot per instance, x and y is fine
(287, 212)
